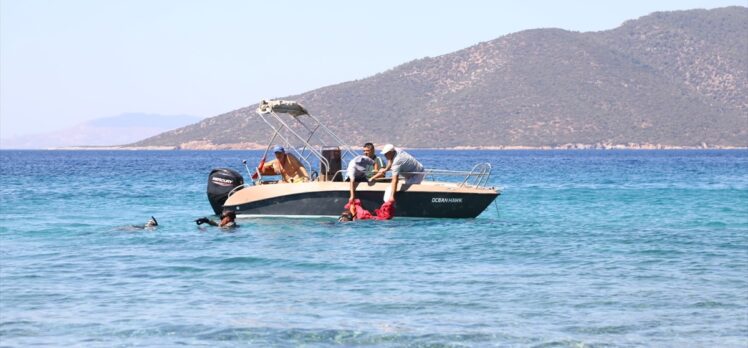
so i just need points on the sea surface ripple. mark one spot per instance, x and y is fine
(583, 249)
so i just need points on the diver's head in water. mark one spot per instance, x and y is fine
(151, 222)
(345, 216)
(227, 218)
(228, 214)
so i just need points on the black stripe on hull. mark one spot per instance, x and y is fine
(409, 204)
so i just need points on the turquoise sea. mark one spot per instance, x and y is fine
(584, 249)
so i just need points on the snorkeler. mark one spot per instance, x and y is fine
(228, 218)
(151, 224)
(345, 216)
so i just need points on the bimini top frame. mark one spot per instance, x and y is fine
(302, 133)
(305, 135)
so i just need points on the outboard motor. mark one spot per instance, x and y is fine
(220, 182)
(332, 155)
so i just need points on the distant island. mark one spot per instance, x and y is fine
(666, 80)
(102, 133)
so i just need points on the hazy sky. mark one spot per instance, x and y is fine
(63, 62)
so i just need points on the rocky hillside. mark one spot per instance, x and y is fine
(671, 78)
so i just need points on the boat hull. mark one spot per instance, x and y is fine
(329, 198)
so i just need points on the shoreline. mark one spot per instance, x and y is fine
(590, 147)
(254, 147)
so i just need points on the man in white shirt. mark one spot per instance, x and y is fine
(356, 172)
(401, 163)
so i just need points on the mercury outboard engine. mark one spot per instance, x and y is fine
(220, 182)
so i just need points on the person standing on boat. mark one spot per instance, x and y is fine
(401, 163)
(356, 172)
(378, 163)
(286, 165)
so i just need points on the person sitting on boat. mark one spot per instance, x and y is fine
(378, 163)
(401, 163)
(228, 218)
(356, 172)
(286, 165)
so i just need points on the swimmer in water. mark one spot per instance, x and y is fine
(228, 218)
(151, 224)
(345, 216)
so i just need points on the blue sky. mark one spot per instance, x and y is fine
(65, 62)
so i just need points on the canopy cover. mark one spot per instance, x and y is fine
(282, 106)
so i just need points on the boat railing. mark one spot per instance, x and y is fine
(477, 177)
(237, 189)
